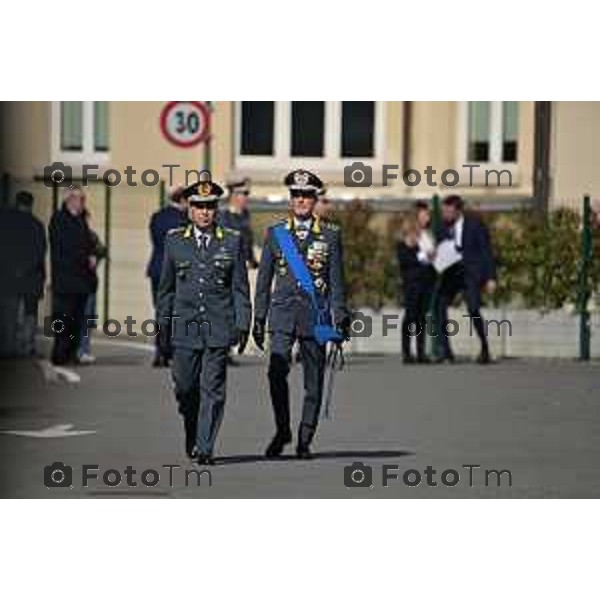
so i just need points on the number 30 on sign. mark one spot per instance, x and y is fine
(185, 124)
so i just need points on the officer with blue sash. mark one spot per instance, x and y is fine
(303, 255)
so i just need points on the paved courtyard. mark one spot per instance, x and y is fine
(540, 420)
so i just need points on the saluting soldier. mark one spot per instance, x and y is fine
(291, 310)
(204, 286)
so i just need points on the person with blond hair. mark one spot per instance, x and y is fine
(415, 252)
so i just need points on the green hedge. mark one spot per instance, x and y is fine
(538, 259)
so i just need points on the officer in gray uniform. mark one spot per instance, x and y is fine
(291, 316)
(204, 297)
(237, 216)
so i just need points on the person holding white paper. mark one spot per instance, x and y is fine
(476, 270)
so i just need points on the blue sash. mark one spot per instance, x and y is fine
(323, 329)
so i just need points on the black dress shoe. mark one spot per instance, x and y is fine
(303, 453)
(423, 360)
(160, 362)
(448, 358)
(205, 459)
(275, 448)
(407, 359)
(484, 358)
(192, 453)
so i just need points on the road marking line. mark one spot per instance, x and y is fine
(56, 431)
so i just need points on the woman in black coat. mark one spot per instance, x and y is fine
(415, 252)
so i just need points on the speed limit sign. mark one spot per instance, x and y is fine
(185, 124)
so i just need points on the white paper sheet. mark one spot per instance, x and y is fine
(446, 255)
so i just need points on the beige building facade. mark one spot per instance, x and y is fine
(264, 140)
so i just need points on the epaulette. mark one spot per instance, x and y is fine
(282, 222)
(175, 230)
(230, 231)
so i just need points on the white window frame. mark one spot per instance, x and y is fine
(495, 156)
(281, 159)
(88, 154)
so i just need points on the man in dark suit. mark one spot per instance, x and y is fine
(73, 273)
(291, 316)
(169, 217)
(22, 273)
(204, 298)
(476, 271)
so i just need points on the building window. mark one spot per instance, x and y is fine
(491, 130)
(258, 120)
(510, 131)
(358, 129)
(80, 131)
(71, 129)
(274, 136)
(101, 126)
(308, 129)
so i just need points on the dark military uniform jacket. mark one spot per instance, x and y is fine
(162, 221)
(288, 307)
(241, 223)
(205, 290)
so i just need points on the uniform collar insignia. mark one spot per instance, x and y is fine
(188, 231)
(316, 225)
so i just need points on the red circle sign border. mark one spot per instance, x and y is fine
(204, 132)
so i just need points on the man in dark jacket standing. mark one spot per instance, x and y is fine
(73, 274)
(22, 273)
(476, 271)
(169, 217)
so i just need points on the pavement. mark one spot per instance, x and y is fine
(538, 419)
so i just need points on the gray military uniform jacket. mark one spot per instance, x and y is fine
(205, 290)
(287, 306)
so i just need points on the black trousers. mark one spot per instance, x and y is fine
(418, 289)
(70, 309)
(456, 280)
(313, 364)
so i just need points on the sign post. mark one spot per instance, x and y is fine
(185, 123)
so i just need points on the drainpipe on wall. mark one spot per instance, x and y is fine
(406, 134)
(541, 154)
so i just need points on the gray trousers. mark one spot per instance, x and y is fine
(313, 364)
(200, 387)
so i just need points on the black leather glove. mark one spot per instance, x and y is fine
(243, 335)
(258, 334)
(343, 326)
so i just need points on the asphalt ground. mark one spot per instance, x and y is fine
(538, 419)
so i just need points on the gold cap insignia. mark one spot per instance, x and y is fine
(301, 178)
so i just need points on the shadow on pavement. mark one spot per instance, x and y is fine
(352, 454)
